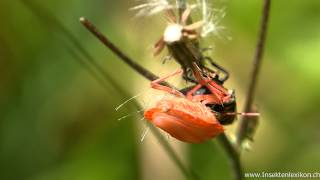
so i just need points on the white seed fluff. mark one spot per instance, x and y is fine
(173, 33)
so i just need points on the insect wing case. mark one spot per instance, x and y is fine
(185, 120)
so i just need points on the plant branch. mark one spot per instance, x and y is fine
(244, 122)
(147, 74)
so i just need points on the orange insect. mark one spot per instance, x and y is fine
(186, 117)
(185, 120)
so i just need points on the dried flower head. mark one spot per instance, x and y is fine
(210, 17)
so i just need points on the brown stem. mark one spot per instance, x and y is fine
(147, 74)
(244, 122)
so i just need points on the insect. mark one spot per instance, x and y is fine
(182, 41)
(193, 114)
(185, 117)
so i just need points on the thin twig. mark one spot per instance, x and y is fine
(149, 75)
(225, 142)
(244, 123)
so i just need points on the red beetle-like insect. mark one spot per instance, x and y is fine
(186, 117)
(195, 114)
(191, 116)
(185, 120)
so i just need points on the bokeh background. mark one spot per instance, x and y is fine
(59, 122)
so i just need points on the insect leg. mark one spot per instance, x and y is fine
(193, 90)
(166, 58)
(188, 76)
(217, 90)
(156, 84)
(225, 72)
(204, 81)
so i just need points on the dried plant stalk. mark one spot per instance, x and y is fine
(244, 122)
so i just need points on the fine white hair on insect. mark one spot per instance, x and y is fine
(144, 106)
(130, 114)
(168, 136)
(144, 134)
(130, 99)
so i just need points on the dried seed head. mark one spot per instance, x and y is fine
(210, 17)
(173, 33)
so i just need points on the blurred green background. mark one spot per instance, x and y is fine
(59, 122)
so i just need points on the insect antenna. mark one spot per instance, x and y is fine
(242, 114)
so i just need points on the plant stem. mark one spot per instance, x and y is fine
(244, 122)
(147, 74)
